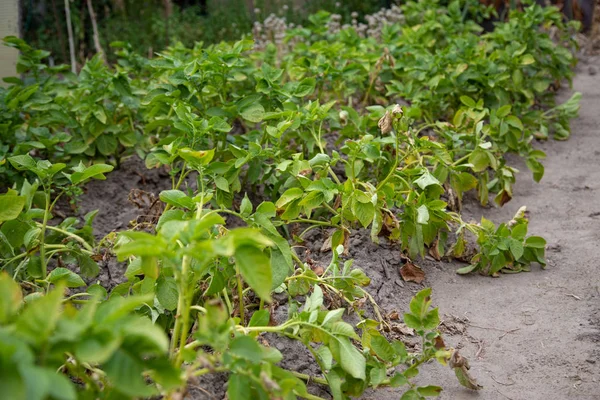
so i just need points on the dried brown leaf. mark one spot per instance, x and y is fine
(385, 123)
(402, 329)
(411, 273)
(434, 251)
(439, 343)
(461, 369)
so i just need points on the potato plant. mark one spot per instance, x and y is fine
(340, 131)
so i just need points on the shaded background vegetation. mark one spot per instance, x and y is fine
(151, 25)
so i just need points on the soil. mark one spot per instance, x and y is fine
(528, 336)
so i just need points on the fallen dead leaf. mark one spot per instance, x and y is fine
(411, 273)
(402, 329)
(326, 244)
(434, 252)
(393, 316)
(317, 269)
(439, 343)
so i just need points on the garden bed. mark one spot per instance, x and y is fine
(276, 213)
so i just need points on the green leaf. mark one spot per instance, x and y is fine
(519, 231)
(517, 77)
(260, 318)
(426, 180)
(288, 196)
(429, 391)
(69, 278)
(246, 206)
(536, 242)
(238, 387)
(419, 304)
(255, 268)
(498, 262)
(398, 380)
(37, 321)
(280, 267)
(95, 171)
(97, 347)
(466, 270)
(150, 267)
(383, 348)
(312, 200)
(11, 205)
(23, 162)
(315, 301)
(377, 375)
(219, 125)
(527, 59)
(411, 395)
(515, 122)
(431, 319)
(98, 291)
(503, 111)
(88, 268)
(177, 198)
(61, 388)
(306, 87)
(100, 115)
(253, 112)
(422, 215)
(117, 307)
(37, 383)
(222, 183)
(412, 322)
(246, 348)
(467, 101)
(167, 292)
(143, 337)
(107, 144)
(351, 360)
(516, 248)
(196, 158)
(10, 298)
(325, 356)
(333, 316)
(365, 212)
(14, 232)
(125, 371)
(479, 159)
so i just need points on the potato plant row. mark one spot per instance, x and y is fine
(327, 129)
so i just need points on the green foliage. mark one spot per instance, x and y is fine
(28, 242)
(47, 334)
(505, 248)
(306, 124)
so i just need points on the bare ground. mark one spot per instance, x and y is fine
(528, 336)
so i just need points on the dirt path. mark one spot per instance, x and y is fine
(536, 335)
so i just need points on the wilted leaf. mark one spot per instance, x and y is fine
(412, 273)
(461, 369)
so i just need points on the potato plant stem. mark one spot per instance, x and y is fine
(43, 233)
(182, 321)
(240, 290)
(308, 378)
(317, 137)
(313, 222)
(394, 166)
(72, 236)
